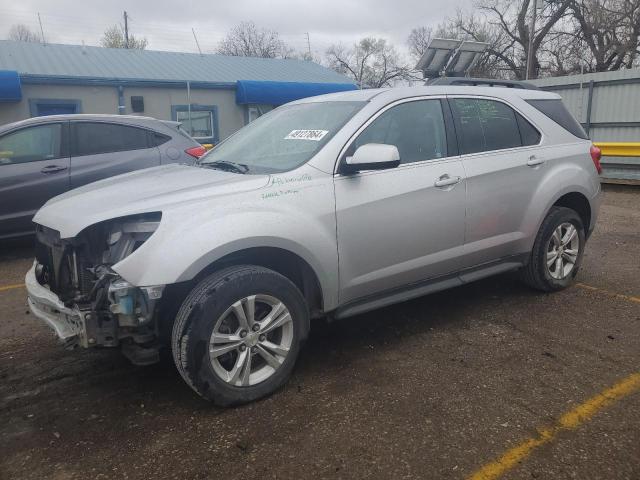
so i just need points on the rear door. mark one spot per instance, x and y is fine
(104, 149)
(34, 167)
(503, 166)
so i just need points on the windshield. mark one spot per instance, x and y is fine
(283, 139)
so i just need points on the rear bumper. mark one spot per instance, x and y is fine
(595, 202)
(67, 322)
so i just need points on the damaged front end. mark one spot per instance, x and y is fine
(73, 288)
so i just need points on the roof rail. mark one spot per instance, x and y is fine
(487, 82)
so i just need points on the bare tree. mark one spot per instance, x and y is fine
(610, 29)
(21, 33)
(512, 20)
(418, 42)
(114, 37)
(371, 62)
(247, 40)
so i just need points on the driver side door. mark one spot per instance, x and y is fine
(403, 225)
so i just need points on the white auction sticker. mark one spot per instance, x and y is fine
(315, 135)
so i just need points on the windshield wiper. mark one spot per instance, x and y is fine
(227, 166)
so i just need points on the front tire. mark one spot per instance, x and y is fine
(557, 251)
(238, 334)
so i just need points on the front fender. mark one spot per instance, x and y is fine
(187, 241)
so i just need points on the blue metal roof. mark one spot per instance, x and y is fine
(10, 86)
(279, 93)
(71, 63)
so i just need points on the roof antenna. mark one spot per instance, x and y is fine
(44, 42)
(196, 39)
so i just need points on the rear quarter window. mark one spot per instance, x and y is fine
(556, 111)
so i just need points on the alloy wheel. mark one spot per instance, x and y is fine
(251, 340)
(562, 250)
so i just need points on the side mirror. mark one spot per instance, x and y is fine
(372, 156)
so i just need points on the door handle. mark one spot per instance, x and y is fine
(53, 169)
(535, 161)
(446, 181)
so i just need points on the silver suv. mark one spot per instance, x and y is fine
(326, 207)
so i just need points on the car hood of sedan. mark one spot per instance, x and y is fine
(149, 190)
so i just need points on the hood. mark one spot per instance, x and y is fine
(149, 190)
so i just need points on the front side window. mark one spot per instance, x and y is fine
(416, 128)
(484, 125)
(92, 138)
(32, 144)
(285, 138)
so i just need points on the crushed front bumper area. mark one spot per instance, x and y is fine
(44, 304)
(122, 324)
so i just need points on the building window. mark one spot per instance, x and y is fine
(40, 107)
(201, 123)
(253, 112)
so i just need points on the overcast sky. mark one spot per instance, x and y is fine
(167, 24)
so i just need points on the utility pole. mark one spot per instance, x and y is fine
(196, 39)
(41, 29)
(535, 6)
(126, 30)
(308, 45)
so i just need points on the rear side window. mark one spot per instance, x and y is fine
(159, 138)
(484, 125)
(92, 138)
(32, 144)
(417, 128)
(528, 133)
(556, 111)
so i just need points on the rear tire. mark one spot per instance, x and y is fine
(237, 335)
(557, 251)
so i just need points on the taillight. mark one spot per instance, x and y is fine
(196, 152)
(596, 155)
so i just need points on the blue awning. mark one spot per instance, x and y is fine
(10, 86)
(278, 93)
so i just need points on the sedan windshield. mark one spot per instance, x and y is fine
(283, 139)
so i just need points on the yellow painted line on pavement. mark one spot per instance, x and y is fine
(569, 421)
(11, 287)
(607, 292)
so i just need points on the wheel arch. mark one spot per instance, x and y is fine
(287, 263)
(281, 260)
(579, 203)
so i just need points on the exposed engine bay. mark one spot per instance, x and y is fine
(112, 312)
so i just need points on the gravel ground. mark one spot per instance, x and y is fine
(432, 388)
